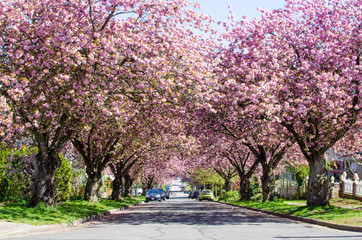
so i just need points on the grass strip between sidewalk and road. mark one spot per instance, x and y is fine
(332, 214)
(63, 213)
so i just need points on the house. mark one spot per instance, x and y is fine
(339, 163)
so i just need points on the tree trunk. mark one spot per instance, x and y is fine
(46, 163)
(150, 184)
(268, 184)
(144, 189)
(117, 188)
(128, 182)
(93, 185)
(227, 184)
(318, 184)
(245, 190)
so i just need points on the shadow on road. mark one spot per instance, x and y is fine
(185, 211)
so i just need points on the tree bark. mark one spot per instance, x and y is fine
(245, 190)
(267, 184)
(318, 193)
(117, 188)
(150, 183)
(227, 184)
(274, 154)
(47, 162)
(144, 189)
(128, 182)
(95, 164)
(239, 161)
(93, 185)
(120, 169)
(226, 174)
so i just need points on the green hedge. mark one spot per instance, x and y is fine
(63, 177)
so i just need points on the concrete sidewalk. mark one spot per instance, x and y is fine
(11, 229)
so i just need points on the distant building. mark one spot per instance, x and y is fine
(339, 163)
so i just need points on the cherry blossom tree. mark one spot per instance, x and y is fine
(267, 141)
(56, 55)
(300, 67)
(245, 164)
(47, 50)
(96, 144)
(227, 172)
(126, 158)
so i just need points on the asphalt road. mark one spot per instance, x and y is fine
(183, 218)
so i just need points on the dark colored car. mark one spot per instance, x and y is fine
(167, 193)
(163, 193)
(195, 194)
(190, 193)
(153, 195)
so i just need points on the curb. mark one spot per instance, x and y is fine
(302, 219)
(78, 222)
(32, 230)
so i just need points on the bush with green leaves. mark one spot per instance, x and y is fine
(4, 181)
(63, 177)
(4, 187)
(230, 196)
(16, 173)
(256, 192)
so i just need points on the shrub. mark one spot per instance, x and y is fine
(255, 188)
(230, 196)
(4, 181)
(63, 177)
(4, 187)
(19, 173)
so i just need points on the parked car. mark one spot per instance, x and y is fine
(206, 194)
(167, 193)
(195, 194)
(190, 193)
(163, 193)
(153, 195)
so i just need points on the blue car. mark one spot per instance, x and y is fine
(153, 195)
(163, 193)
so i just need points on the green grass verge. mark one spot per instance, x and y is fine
(63, 213)
(332, 214)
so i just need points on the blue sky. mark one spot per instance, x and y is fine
(219, 8)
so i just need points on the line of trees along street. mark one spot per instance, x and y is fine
(146, 87)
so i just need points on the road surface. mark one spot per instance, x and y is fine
(184, 218)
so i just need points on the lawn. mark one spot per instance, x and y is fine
(333, 213)
(63, 213)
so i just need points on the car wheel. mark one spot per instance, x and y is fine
(199, 199)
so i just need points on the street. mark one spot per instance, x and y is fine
(184, 218)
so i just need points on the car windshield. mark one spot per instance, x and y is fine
(206, 191)
(152, 192)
